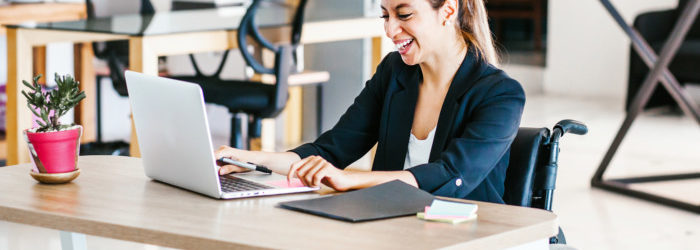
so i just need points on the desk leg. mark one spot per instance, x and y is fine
(19, 51)
(39, 56)
(377, 53)
(293, 116)
(268, 137)
(85, 74)
(73, 241)
(141, 59)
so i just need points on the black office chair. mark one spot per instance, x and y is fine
(655, 27)
(532, 171)
(251, 100)
(116, 54)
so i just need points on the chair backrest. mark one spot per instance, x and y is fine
(526, 154)
(284, 59)
(248, 28)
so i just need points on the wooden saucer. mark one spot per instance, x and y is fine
(57, 178)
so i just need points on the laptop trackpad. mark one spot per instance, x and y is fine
(275, 180)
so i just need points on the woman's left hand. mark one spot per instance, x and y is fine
(314, 170)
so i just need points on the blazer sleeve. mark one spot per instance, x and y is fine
(484, 140)
(357, 130)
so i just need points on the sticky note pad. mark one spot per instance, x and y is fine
(427, 215)
(455, 220)
(450, 208)
(284, 184)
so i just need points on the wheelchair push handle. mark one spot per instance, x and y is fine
(571, 126)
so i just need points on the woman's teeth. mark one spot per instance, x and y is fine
(403, 44)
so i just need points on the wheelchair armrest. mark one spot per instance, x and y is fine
(571, 126)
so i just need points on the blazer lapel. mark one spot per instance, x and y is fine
(467, 75)
(401, 109)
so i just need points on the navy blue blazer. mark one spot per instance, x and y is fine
(478, 121)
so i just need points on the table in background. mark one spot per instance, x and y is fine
(659, 73)
(113, 198)
(38, 12)
(16, 13)
(151, 36)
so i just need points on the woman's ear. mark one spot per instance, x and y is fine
(449, 10)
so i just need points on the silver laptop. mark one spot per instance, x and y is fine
(173, 133)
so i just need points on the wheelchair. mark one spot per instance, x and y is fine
(532, 171)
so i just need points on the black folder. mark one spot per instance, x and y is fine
(388, 200)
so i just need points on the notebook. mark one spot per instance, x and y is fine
(388, 200)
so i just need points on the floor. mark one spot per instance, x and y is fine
(656, 144)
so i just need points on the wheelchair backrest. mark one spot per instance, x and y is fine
(526, 154)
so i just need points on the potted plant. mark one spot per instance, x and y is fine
(54, 147)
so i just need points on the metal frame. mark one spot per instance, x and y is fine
(658, 73)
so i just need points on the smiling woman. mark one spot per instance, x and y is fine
(442, 115)
(472, 25)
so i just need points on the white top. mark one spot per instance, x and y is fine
(418, 150)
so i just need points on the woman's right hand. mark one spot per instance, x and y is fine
(231, 153)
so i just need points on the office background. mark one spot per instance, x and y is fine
(582, 75)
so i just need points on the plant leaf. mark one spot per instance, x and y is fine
(27, 84)
(45, 115)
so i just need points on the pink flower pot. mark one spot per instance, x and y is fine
(54, 152)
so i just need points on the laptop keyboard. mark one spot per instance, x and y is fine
(234, 184)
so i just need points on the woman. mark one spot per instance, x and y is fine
(442, 114)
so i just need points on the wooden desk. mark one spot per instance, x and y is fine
(113, 198)
(144, 52)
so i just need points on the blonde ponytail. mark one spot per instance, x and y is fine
(474, 26)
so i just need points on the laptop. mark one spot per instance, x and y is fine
(176, 148)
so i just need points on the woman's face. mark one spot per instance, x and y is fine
(415, 28)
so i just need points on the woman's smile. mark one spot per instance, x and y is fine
(403, 46)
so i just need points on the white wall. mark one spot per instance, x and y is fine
(348, 75)
(587, 52)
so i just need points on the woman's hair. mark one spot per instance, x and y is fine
(474, 26)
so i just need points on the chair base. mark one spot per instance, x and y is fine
(245, 130)
(239, 131)
(621, 186)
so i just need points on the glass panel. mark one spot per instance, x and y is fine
(225, 18)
